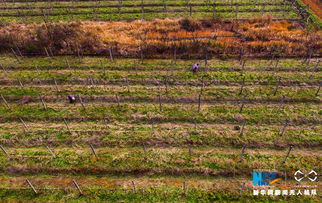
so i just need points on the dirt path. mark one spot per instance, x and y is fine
(315, 6)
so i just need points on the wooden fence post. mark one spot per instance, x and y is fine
(280, 104)
(4, 151)
(77, 186)
(273, 58)
(241, 54)
(166, 84)
(81, 101)
(43, 102)
(243, 66)
(190, 150)
(94, 11)
(243, 127)
(67, 62)
(202, 87)
(119, 9)
(309, 55)
(160, 103)
(145, 152)
(32, 187)
(66, 124)
(318, 91)
(199, 103)
(133, 186)
(164, 6)
(277, 86)
(242, 153)
(195, 123)
(142, 9)
(276, 64)
(92, 81)
(127, 84)
(141, 54)
(51, 152)
(103, 67)
(50, 52)
(184, 187)
(93, 151)
(20, 83)
(5, 102)
(56, 86)
(175, 54)
(136, 67)
(237, 10)
(242, 188)
(284, 127)
(214, 9)
(47, 53)
(316, 66)
(111, 54)
(206, 58)
(242, 87)
(14, 53)
(105, 123)
(38, 72)
(24, 124)
(242, 106)
(78, 54)
(288, 153)
(171, 68)
(4, 70)
(117, 100)
(152, 125)
(20, 54)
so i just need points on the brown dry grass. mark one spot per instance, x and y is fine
(258, 37)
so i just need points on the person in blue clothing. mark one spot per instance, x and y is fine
(195, 68)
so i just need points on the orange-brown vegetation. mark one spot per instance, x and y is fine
(256, 37)
(315, 6)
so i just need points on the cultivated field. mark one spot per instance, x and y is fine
(21, 11)
(144, 128)
(155, 124)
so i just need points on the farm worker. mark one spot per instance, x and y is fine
(72, 99)
(195, 67)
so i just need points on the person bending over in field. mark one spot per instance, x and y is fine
(72, 99)
(195, 68)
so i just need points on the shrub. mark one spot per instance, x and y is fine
(6, 40)
(189, 25)
(64, 37)
(56, 36)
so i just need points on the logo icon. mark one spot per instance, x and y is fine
(299, 175)
(265, 178)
